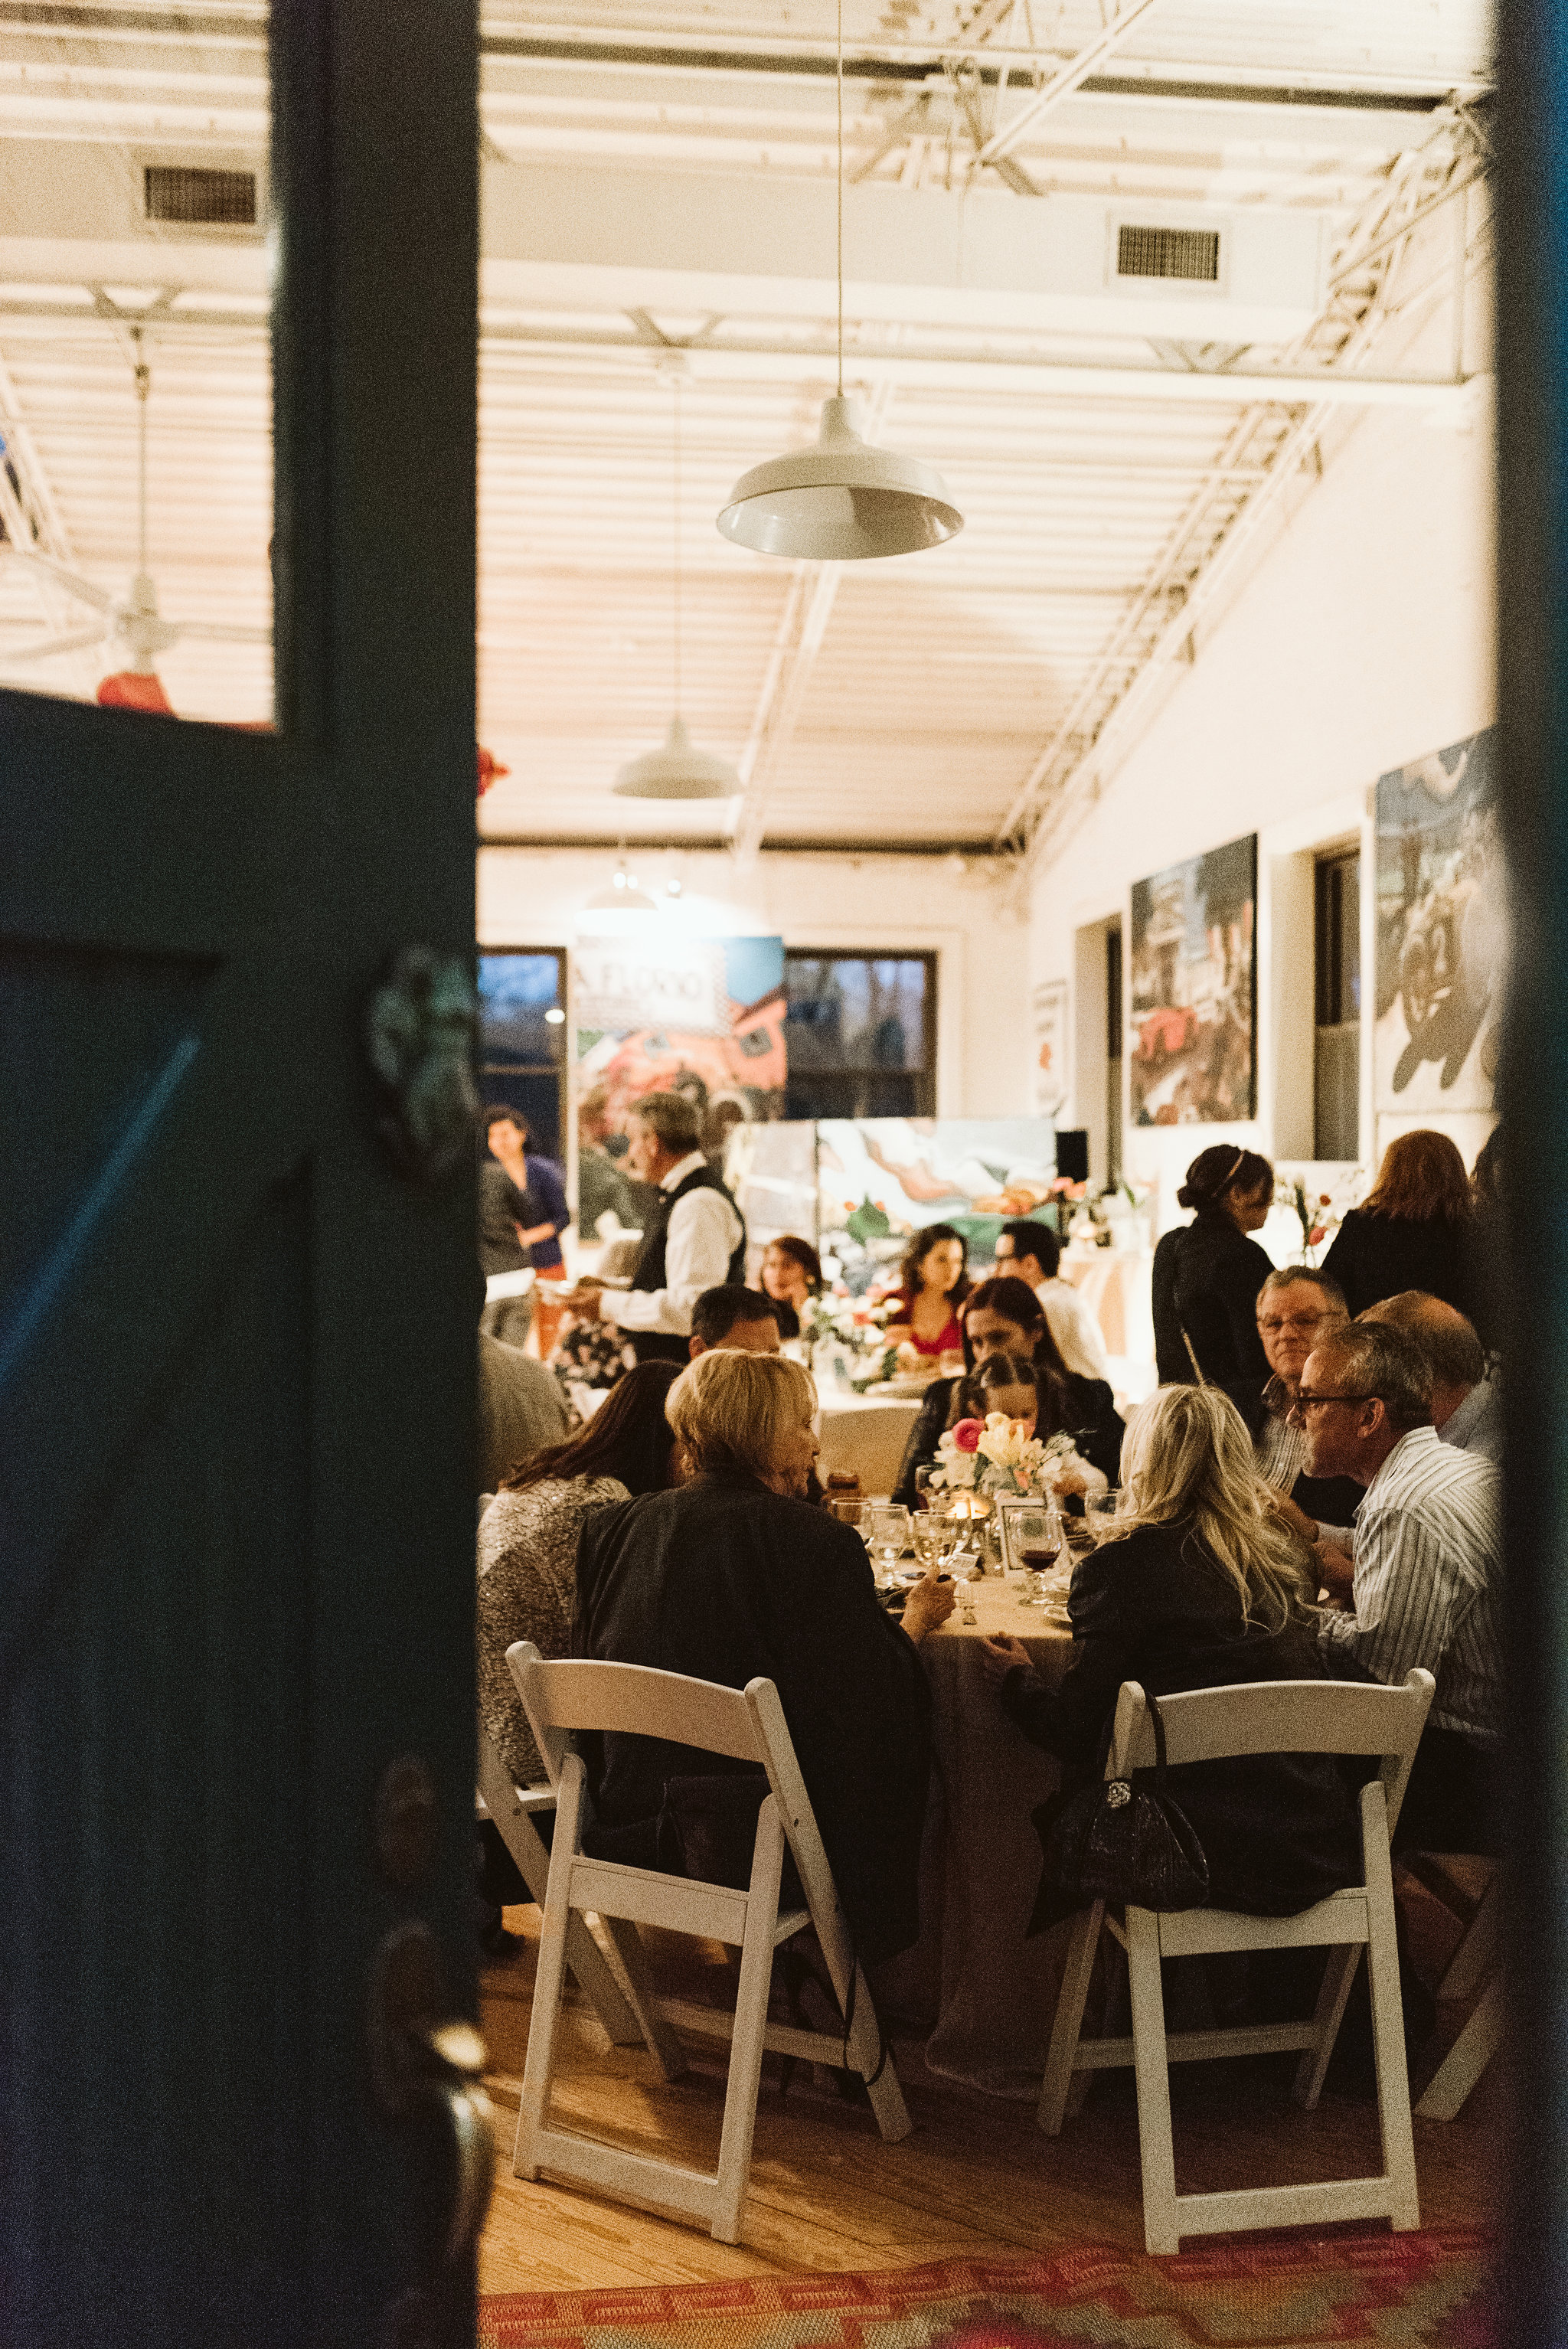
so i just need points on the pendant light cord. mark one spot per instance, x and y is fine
(841, 95)
(677, 543)
(143, 378)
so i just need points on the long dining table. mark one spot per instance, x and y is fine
(988, 1990)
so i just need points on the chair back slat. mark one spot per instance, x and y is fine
(1275, 1717)
(632, 1699)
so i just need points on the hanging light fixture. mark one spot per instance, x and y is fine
(619, 910)
(842, 500)
(677, 769)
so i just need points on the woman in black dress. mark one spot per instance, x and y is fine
(1412, 1231)
(1198, 1586)
(1207, 1275)
(1005, 1317)
(734, 1577)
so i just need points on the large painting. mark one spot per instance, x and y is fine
(658, 1012)
(1442, 932)
(1191, 1036)
(880, 1179)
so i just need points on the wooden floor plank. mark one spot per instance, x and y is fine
(977, 2176)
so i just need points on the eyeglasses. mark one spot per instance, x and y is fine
(1297, 1321)
(1305, 1401)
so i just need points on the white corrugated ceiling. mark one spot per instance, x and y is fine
(652, 177)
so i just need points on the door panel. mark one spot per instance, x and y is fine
(237, 1344)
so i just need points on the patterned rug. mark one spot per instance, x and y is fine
(1419, 2291)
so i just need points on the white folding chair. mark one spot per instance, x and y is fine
(514, 1809)
(1262, 1717)
(1476, 1965)
(748, 1726)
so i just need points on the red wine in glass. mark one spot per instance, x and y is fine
(1039, 1556)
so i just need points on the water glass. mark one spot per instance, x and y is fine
(889, 1536)
(931, 1534)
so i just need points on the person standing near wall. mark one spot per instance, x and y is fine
(539, 1185)
(1412, 1230)
(1207, 1276)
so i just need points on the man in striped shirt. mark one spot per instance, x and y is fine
(1427, 1578)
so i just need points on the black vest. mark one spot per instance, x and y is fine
(650, 1273)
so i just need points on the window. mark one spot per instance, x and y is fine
(522, 1040)
(1336, 1073)
(861, 1035)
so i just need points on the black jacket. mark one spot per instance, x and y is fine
(728, 1582)
(1206, 1281)
(1374, 1256)
(1092, 1418)
(1279, 1831)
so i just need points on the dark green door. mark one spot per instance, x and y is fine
(236, 1339)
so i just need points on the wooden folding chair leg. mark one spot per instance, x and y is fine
(1388, 2022)
(866, 2048)
(1467, 2059)
(746, 2044)
(644, 1998)
(1333, 1994)
(541, 2062)
(1150, 2066)
(1476, 1956)
(1058, 2081)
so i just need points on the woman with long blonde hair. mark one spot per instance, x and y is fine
(1197, 1584)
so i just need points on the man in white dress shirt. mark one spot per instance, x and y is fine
(1032, 1252)
(694, 1239)
(1426, 1582)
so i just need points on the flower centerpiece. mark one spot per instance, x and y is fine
(996, 1455)
(845, 1338)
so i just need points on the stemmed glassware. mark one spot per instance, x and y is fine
(889, 1539)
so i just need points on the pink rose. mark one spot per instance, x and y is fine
(968, 1433)
(1323, 1200)
(1315, 1235)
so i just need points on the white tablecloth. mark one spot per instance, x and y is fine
(865, 1435)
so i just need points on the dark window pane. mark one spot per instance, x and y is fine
(857, 1011)
(517, 992)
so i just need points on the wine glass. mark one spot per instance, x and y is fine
(889, 1537)
(1099, 1509)
(932, 1535)
(1037, 1533)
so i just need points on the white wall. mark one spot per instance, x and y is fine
(1363, 641)
(972, 920)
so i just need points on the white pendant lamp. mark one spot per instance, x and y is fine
(842, 500)
(677, 769)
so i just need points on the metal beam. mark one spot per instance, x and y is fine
(1067, 79)
(759, 358)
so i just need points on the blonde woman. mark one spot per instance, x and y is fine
(734, 1577)
(1200, 1586)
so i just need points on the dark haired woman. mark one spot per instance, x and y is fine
(933, 1287)
(1005, 1317)
(1207, 1275)
(791, 1276)
(528, 1542)
(1412, 1231)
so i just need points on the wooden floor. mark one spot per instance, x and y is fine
(975, 2176)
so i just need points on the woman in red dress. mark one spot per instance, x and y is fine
(933, 1287)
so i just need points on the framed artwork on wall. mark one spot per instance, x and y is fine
(1442, 933)
(1191, 1040)
(1050, 1046)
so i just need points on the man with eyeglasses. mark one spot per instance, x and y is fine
(1295, 1308)
(1426, 1580)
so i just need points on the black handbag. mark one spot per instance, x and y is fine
(1115, 1841)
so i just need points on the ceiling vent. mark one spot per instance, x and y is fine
(1189, 254)
(189, 197)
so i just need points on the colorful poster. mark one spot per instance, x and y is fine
(1191, 1035)
(666, 1012)
(1442, 932)
(879, 1179)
